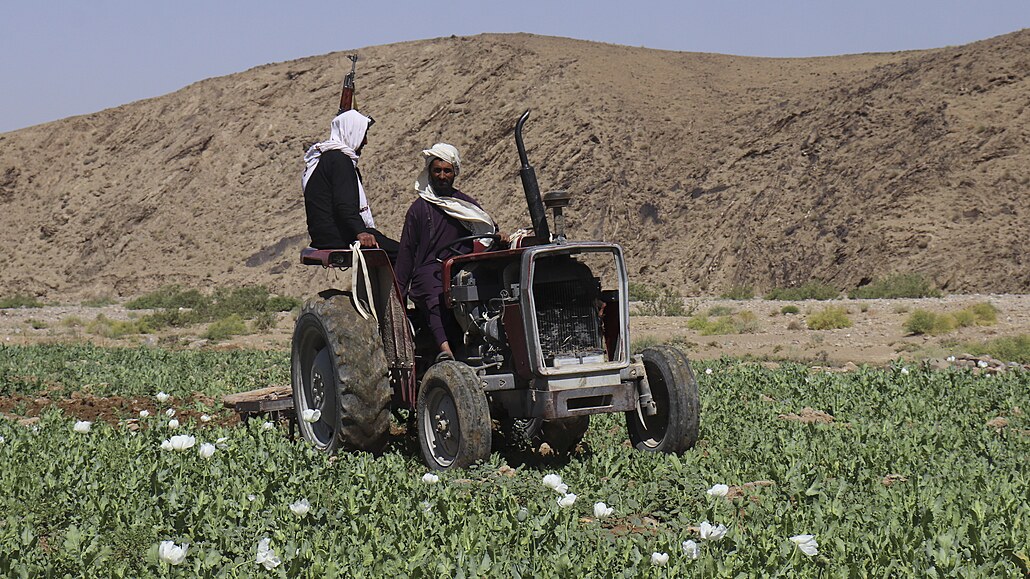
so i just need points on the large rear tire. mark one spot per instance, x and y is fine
(453, 417)
(674, 428)
(338, 367)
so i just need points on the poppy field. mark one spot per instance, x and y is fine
(799, 472)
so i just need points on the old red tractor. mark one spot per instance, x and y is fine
(546, 345)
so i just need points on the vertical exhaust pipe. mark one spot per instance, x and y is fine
(536, 206)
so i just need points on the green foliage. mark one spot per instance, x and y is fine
(720, 311)
(265, 321)
(1006, 348)
(743, 323)
(813, 290)
(739, 292)
(97, 505)
(98, 302)
(926, 322)
(790, 309)
(231, 325)
(638, 292)
(37, 324)
(19, 301)
(658, 301)
(829, 318)
(180, 308)
(901, 285)
(108, 328)
(934, 324)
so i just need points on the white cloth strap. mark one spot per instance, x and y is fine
(358, 263)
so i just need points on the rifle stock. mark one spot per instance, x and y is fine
(347, 94)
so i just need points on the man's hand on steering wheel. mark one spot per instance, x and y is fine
(451, 249)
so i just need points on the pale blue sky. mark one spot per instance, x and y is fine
(68, 57)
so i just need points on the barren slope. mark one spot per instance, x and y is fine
(711, 170)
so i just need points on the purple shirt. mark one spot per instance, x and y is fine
(427, 230)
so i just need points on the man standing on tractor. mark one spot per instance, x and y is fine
(433, 228)
(334, 198)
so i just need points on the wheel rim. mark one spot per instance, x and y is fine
(441, 427)
(654, 427)
(318, 390)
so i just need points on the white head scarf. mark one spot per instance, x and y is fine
(472, 217)
(346, 132)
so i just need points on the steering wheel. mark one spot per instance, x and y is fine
(451, 249)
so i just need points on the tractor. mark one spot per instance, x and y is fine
(546, 344)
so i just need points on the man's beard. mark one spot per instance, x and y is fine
(442, 187)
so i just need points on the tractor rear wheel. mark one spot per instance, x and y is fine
(338, 368)
(453, 417)
(674, 428)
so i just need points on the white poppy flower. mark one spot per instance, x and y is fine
(708, 371)
(904, 370)
(180, 442)
(553, 481)
(807, 544)
(173, 423)
(301, 507)
(567, 500)
(170, 412)
(82, 426)
(207, 450)
(950, 358)
(602, 510)
(268, 426)
(2, 440)
(691, 549)
(266, 555)
(144, 413)
(310, 415)
(982, 363)
(205, 418)
(659, 559)
(166, 444)
(251, 498)
(425, 506)
(719, 490)
(711, 532)
(162, 397)
(220, 443)
(430, 478)
(522, 514)
(171, 553)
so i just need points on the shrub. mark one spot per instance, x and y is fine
(720, 311)
(984, 314)
(929, 323)
(660, 302)
(168, 297)
(37, 324)
(743, 323)
(791, 309)
(265, 321)
(1008, 349)
(226, 327)
(108, 328)
(813, 290)
(98, 302)
(829, 318)
(20, 301)
(901, 285)
(739, 292)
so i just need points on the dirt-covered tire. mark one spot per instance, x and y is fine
(453, 417)
(338, 367)
(674, 428)
(562, 434)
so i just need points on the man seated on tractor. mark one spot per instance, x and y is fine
(435, 221)
(334, 198)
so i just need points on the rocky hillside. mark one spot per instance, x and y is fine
(712, 171)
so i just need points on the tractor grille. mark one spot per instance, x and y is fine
(567, 319)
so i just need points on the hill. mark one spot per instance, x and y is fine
(712, 171)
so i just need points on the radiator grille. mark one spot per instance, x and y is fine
(567, 319)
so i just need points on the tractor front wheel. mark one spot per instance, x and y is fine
(674, 428)
(453, 417)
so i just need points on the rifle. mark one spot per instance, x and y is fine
(347, 95)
